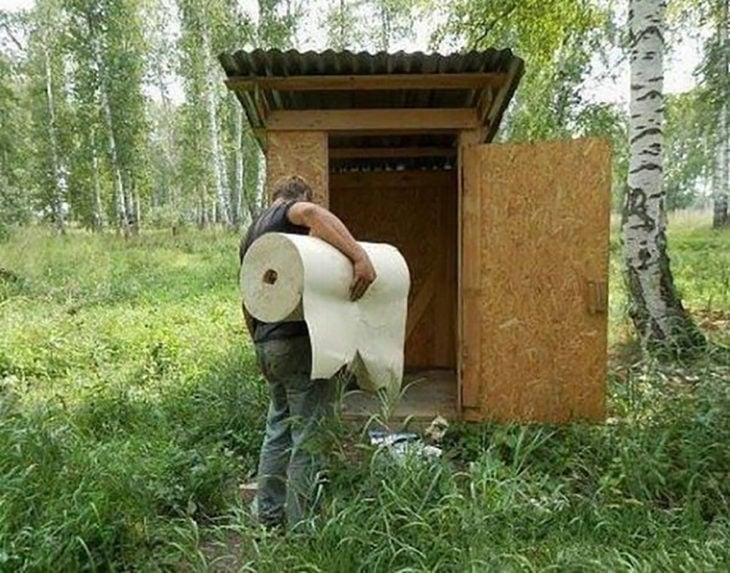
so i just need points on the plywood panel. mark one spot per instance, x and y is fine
(302, 153)
(543, 240)
(416, 212)
(468, 301)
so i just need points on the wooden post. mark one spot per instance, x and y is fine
(468, 328)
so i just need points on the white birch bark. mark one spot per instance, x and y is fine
(655, 307)
(219, 167)
(120, 199)
(118, 180)
(721, 192)
(644, 223)
(98, 215)
(57, 198)
(238, 174)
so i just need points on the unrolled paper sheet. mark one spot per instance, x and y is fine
(290, 277)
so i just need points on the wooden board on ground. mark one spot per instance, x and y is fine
(426, 394)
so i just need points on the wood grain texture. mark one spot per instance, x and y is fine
(416, 212)
(301, 153)
(544, 224)
(405, 119)
(470, 272)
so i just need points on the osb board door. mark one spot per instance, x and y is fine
(535, 232)
(302, 153)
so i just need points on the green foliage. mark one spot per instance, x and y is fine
(557, 39)
(14, 205)
(128, 398)
(131, 408)
(688, 156)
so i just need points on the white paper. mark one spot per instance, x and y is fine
(287, 277)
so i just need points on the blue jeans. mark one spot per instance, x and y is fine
(289, 463)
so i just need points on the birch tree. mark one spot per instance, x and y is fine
(719, 63)
(107, 48)
(662, 322)
(342, 27)
(47, 71)
(200, 72)
(15, 206)
(161, 59)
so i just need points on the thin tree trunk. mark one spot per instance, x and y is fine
(721, 192)
(120, 195)
(57, 198)
(219, 168)
(120, 198)
(131, 200)
(656, 309)
(137, 212)
(170, 192)
(238, 172)
(98, 214)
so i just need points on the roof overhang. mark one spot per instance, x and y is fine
(399, 94)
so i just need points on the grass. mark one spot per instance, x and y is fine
(131, 409)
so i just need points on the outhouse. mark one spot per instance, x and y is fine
(507, 243)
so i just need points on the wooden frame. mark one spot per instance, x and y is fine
(468, 337)
(458, 81)
(386, 152)
(398, 120)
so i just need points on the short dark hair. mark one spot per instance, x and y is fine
(292, 187)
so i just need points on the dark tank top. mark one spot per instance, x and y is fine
(275, 219)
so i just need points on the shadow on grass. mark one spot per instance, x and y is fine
(114, 480)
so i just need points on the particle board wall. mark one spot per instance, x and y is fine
(301, 153)
(543, 224)
(417, 212)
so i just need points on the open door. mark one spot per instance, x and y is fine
(534, 272)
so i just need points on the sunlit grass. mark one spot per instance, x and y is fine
(130, 409)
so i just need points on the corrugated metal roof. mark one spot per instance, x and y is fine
(251, 65)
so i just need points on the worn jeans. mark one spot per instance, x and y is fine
(290, 454)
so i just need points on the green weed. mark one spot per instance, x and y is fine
(131, 409)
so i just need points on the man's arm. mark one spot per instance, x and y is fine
(328, 227)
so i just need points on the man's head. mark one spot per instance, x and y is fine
(293, 188)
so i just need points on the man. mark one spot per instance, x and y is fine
(297, 405)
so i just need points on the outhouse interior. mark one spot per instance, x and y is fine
(382, 137)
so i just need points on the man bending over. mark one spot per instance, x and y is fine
(297, 405)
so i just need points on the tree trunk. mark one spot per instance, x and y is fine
(219, 168)
(120, 196)
(721, 192)
(238, 173)
(57, 191)
(662, 323)
(170, 194)
(98, 214)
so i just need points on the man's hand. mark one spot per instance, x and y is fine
(328, 227)
(363, 275)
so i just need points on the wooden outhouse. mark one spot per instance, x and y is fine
(507, 243)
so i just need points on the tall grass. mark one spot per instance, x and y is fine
(130, 410)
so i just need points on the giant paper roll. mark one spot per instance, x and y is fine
(290, 277)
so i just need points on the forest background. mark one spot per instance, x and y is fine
(114, 112)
